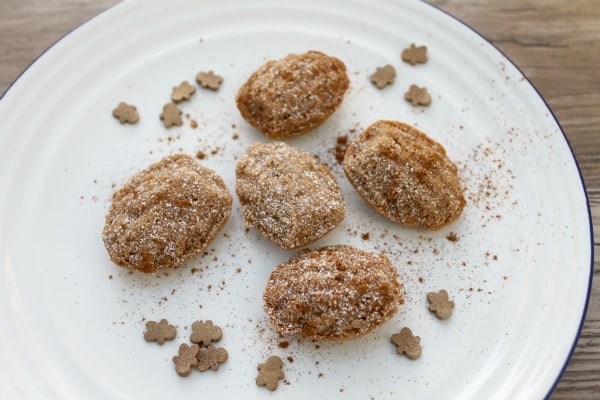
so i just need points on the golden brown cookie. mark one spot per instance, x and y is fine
(293, 95)
(404, 175)
(287, 195)
(332, 293)
(165, 214)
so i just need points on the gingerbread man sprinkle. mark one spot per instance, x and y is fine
(270, 373)
(159, 332)
(415, 55)
(384, 76)
(407, 344)
(187, 359)
(211, 357)
(204, 333)
(126, 113)
(418, 96)
(440, 304)
(171, 115)
(209, 80)
(183, 92)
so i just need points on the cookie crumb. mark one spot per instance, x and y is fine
(452, 236)
(440, 304)
(415, 54)
(418, 96)
(126, 113)
(159, 332)
(171, 115)
(407, 344)
(384, 76)
(340, 148)
(209, 80)
(270, 372)
(200, 155)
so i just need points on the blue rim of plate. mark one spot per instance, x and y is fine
(585, 192)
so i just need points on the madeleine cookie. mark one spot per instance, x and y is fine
(332, 293)
(293, 95)
(165, 214)
(287, 195)
(404, 175)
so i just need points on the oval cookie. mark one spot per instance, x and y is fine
(332, 293)
(293, 95)
(165, 214)
(404, 175)
(287, 195)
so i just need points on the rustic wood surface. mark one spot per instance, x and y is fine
(556, 43)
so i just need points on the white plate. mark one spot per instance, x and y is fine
(519, 273)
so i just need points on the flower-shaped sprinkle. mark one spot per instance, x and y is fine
(159, 331)
(415, 55)
(211, 357)
(209, 80)
(418, 96)
(204, 333)
(270, 372)
(440, 304)
(187, 359)
(407, 344)
(126, 113)
(384, 76)
(171, 115)
(182, 92)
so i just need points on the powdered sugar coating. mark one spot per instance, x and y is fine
(404, 175)
(165, 214)
(287, 194)
(332, 293)
(293, 95)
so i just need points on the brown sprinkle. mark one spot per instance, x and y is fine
(126, 113)
(384, 76)
(204, 333)
(187, 359)
(159, 331)
(171, 115)
(182, 92)
(209, 80)
(440, 304)
(270, 372)
(407, 344)
(415, 54)
(211, 357)
(418, 96)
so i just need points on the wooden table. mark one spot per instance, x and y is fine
(556, 43)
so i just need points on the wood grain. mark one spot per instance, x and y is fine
(556, 43)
